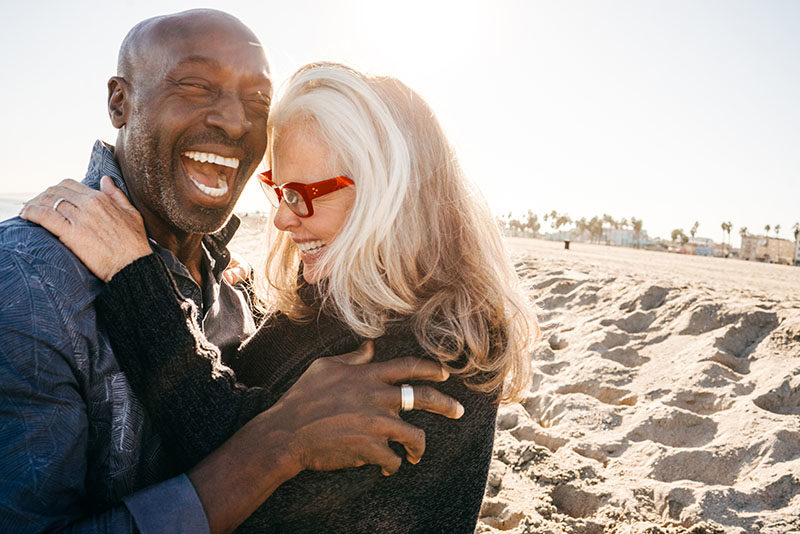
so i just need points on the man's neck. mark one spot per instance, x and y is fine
(187, 247)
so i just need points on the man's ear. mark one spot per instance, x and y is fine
(118, 105)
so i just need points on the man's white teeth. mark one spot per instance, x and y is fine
(310, 246)
(208, 157)
(221, 189)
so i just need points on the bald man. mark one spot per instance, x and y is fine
(77, 451)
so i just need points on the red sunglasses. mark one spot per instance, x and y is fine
(298, 196)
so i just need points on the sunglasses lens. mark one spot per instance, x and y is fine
(272, 196)
(295, 202)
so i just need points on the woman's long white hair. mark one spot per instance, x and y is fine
(419, 244)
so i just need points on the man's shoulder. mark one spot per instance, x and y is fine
(30, 256)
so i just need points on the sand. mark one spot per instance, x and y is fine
(665, 399)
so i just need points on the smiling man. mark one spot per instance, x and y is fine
(77, 450)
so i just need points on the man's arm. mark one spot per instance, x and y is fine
(341, 413)
(43, 416)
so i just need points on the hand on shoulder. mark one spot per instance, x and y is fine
(101, 228)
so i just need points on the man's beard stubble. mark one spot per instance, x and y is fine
(154, 180)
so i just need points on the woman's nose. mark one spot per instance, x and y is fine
(285, 219)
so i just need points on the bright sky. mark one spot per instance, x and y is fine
(669, 111)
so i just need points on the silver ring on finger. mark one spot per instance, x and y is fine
(406, 398)
(58, 203)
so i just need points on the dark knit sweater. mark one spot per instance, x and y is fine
(197, 402)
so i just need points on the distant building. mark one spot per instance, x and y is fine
(770, 249)
(797, 250)
(703, 246)
(610, 236)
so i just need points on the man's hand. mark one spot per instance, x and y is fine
(343, 411)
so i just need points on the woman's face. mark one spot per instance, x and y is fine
(299, 156)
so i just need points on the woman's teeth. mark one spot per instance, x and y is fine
(221, 189)
(310, 246)
(208, 157)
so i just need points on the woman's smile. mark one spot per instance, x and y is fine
(300, 156)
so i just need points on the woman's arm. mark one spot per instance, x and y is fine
(194, 400)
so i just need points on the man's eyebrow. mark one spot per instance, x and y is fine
(202, 60)
(266, 80)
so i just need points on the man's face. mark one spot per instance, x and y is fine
(197, 128)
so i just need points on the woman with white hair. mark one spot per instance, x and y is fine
(377, 236)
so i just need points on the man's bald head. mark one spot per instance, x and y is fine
(138, 45)
(190, 102)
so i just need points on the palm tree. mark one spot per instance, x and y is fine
(581, 226)
(796, 229)
(636, 224)
(611, 223)
(726, 227)
(532, 223)
(515, 226)
(596, 228)
(777, 229)
(693, 231)
(767, 228)
(563, 220)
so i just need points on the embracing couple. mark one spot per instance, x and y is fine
(352, 388)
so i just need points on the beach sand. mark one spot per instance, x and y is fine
(665, 399)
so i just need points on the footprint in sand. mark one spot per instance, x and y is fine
(783, 400)
(715, 467)
(741, 338)
(576, 502)
(699, 402)
(673, 427)
(603, 393)
(557, 342)
(625, 356)
(612, 338)
(636, 322)
(653, 297)
(498, 515)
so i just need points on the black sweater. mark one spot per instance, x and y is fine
(196, 402)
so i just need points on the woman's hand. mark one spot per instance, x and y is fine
(238, 271)
(101, 228)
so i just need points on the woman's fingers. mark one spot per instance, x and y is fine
(101, 228)
(238, 270)
(73, 185)
(107, 186)
(47, 217)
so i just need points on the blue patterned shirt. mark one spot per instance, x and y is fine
(77, 451)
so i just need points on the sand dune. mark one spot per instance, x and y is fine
(666, 396)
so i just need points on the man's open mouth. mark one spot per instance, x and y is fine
(209, 172)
